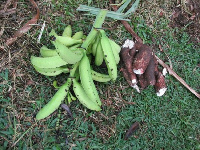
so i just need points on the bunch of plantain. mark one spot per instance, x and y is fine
(53, 62)
(104, 49)
(69, 56)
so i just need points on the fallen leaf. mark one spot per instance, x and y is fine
(131, 130)
(25, 28)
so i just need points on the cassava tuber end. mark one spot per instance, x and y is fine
(134, 81)
(142, 59)
(161, 92)
(131, 83)
(149, 74)
(133, 77)
(160, 85)
(135, 86)
(128, 44)
(164, 71)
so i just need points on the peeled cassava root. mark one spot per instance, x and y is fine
(141, 67)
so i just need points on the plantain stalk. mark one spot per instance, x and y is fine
(97, 24)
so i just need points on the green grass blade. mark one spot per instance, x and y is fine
(121, 9)
(133, 8)
(95, 11)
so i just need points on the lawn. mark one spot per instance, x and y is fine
(168, 122)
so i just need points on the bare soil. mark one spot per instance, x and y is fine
(188, 17)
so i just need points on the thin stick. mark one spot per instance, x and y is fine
(170, 62)
(42, 29)
(171, 72)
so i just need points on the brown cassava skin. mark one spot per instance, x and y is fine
(142, 58)
(149, 73)
(132, 75)
(160, 82)
(127, 57)
(142, 81)
(156, 66)
(138, 45)
(126, 76)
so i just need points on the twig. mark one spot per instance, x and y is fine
(171, 72)
(42, 29)
(170, 62)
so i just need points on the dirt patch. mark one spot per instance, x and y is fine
(187, 15)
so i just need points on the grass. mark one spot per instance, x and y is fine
(170, 122)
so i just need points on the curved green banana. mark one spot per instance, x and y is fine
(67, 31)
(78, 35)
(86, 80)
(89, 49)
(108, 56)
(99, 55)
(45, 52)
(95, 44)
(115, 46)
(51, 71)
(71, 57)
(55, 102)
(100, 77)
(47, 62)
(73, 47)
(57, 99)
(116, 55)
(116, 50)
(83, 97)
(67, 41)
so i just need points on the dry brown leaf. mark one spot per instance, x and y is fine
(131, 130)
(7, 11)
(25, 28)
